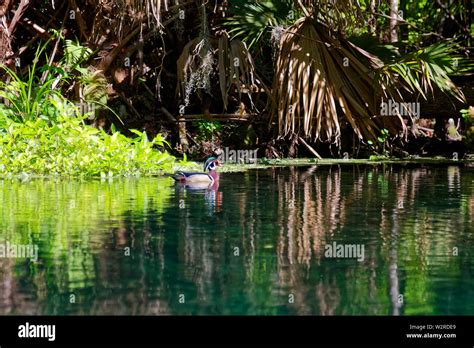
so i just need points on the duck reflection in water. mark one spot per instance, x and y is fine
(207, 183)
(212, 196)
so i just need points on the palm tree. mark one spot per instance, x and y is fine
(320, 75)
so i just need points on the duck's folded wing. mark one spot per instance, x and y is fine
(190, 174)
(195, 177)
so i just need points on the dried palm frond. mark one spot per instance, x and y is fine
(234, 66)
(318, 75)
(118, 17)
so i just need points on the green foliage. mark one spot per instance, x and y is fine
(71, 148)
(417, 12)
(420, 69)
(207, 129)
(28, 98)
(379, 149)
(94, 87)
(93, 83)
(468, 133)
(43, 133)
(75, 54)
(465, 113)
(184, 161)
(251, 20)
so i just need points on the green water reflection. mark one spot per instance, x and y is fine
(254, 246)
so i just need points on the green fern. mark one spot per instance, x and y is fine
(75, 54)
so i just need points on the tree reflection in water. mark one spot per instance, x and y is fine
(246, 246)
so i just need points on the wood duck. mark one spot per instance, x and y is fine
(200, 179)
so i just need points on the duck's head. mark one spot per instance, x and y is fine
(211, 164)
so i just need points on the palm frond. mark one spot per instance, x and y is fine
(234, 66)
(430, 66)
(75, 53)
(317, 74)
(249, 21)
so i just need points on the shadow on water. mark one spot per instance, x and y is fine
(257, 244)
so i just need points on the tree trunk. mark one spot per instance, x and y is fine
(183, 140)
(293, 149)
(5, 41)
(372, 22)
(393, 35)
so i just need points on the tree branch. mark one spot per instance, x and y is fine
(107, 60)
(4, 8)
(18, 14)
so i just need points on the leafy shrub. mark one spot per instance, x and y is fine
(71, 148)
(43, 133)
(468, 136)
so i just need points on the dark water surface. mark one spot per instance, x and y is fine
(257, 245)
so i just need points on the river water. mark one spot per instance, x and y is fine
(327, 240)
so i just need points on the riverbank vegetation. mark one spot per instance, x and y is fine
(72, 148)
(105, 88)
(44, 133)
